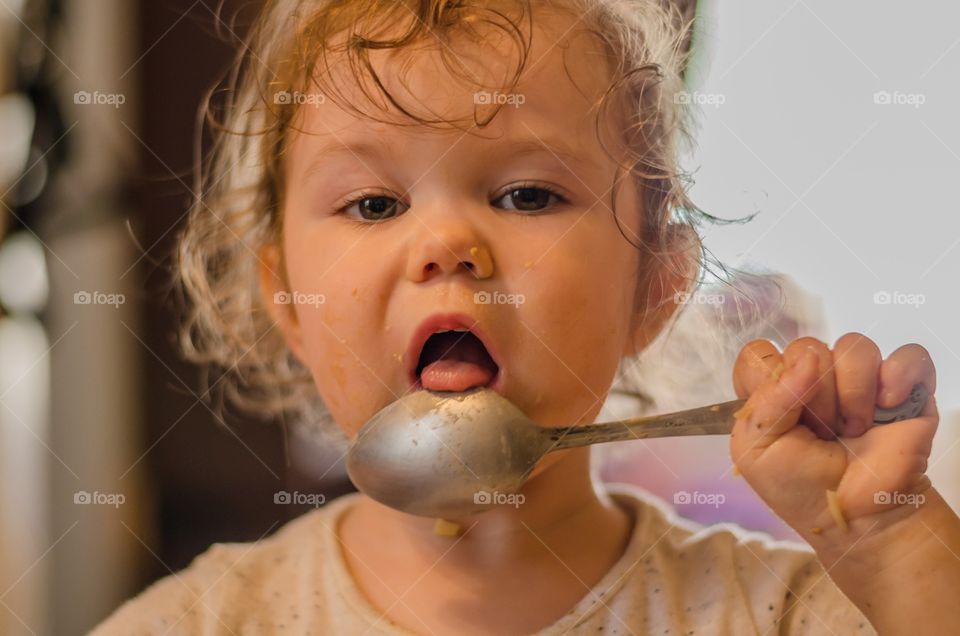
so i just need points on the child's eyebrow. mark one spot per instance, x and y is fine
(372, 149)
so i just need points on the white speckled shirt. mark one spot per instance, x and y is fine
(675, 577)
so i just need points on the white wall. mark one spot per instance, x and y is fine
(856, 197)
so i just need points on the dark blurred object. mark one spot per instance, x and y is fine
(215, 479)
(35, 72)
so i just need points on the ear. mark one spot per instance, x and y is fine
(668, 281)
(275, 294)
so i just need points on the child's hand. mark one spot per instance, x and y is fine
(811, 430)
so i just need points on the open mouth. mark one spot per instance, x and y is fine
(454, 359)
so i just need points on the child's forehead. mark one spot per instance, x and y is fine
(554, 104)
(562, 129)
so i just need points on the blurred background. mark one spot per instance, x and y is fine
(834, 121)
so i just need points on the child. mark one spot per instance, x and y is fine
(451, 116)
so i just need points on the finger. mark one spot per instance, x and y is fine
(754, 366)
(774, 408)
(856, 361)
(909, 365)
(820, 411)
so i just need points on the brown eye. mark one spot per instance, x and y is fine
(372, 207)
(530, 199)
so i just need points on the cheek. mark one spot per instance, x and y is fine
(579, 302)
(349, 370)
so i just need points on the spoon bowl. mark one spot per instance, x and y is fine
(440, 454)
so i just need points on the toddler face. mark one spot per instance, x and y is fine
(457, 230)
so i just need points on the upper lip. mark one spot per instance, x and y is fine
(446, 321)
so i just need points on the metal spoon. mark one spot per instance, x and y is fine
(449, 454)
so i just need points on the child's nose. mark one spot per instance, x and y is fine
(448, 250)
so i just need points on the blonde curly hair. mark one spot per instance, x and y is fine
(293, 43)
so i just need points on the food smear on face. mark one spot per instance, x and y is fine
(482, 260)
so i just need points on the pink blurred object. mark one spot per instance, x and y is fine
(689, 366)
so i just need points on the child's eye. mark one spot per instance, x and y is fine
(530, 198)
(372, 207)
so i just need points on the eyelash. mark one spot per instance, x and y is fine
(368, 194)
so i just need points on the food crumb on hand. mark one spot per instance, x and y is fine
(736, 470)
(745, 412)
(445, 528)
(777, 371)
(816, 530)
(833, 504)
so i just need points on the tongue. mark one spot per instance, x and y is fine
(454, 375)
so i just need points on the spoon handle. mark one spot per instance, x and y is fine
(716, 419)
